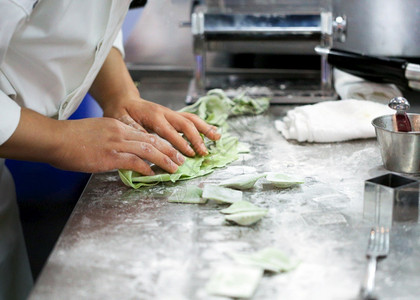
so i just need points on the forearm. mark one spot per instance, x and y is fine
(87, 145)
(36, 138)
(113, 83)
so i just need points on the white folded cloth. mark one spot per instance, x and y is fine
(332, 121)
(349, 86)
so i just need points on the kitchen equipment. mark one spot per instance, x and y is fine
(260, 31)
(401, 105)
(377, 40)
(378, 247)
(400, 151)
(377, 69)
(390, 198)
(377, 27)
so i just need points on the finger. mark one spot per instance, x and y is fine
(209, 131)
(149, 152)
(130, 122)
(168, 132)
(160, 144)
(130, 161)
(190, 131)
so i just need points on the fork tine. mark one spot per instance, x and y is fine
(387, 240)
(371, 242)
(378, 247)
(383, 243)
(387, 237)
(378, 244)
(381, 239)
(378, 238)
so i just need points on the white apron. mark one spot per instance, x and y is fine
(16, 279)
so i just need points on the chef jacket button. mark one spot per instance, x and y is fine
(64, 105)
(99, 46)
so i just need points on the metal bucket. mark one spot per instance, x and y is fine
(400, 151)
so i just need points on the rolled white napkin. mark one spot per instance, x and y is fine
(349, 86)
(332, 121)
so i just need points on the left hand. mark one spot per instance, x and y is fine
(120, 99)
(148, 116)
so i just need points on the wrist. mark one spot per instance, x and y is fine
(59, 138)
(37, 138)
(118, 100)
(120, 104)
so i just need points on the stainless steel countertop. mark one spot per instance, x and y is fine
(122, 243)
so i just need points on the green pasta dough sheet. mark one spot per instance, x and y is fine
(282, 180)
(242, 182)
(240, 207)
(221, 194)
(270, 259)
(187, 194)
(246, 218)
(221, 153)
(214, 108)
(234, 281)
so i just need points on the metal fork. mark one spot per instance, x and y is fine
(378, 247)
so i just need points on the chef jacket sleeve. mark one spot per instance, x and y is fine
(118, 43)
(9, 117)
(12, 15)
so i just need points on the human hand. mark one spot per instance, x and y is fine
(103, 144)
(118, 96)
(145, 115)
(88, 145)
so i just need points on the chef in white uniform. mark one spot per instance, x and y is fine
(51, 54)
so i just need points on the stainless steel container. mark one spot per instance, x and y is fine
(400, 150)
(378, 27)
(391, 198)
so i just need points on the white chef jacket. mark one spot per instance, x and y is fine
(50, 53)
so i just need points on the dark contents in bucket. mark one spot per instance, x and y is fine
(403, 122)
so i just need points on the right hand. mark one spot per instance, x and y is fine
(103, 144)
(88, 145)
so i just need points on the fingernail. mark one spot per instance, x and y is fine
(180, 158)
(174, 166)
(204, 149)
(151, 173)
(190, 150)
(215, 133)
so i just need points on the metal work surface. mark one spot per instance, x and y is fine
(122, 243)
